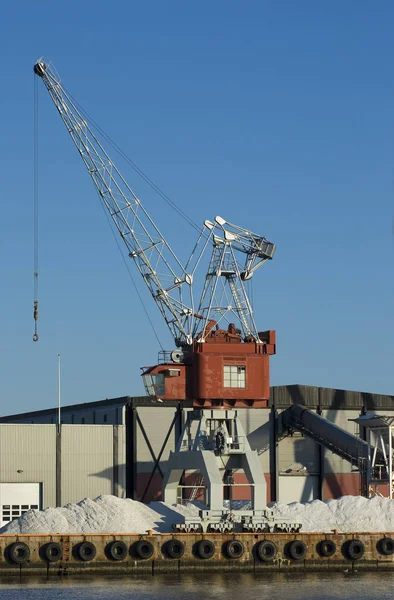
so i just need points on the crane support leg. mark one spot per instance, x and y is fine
(205, 462)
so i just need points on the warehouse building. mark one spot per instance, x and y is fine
(120, 446)
(40, 467)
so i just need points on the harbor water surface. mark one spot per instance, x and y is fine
(282, 586)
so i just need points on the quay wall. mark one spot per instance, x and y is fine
(133, 553)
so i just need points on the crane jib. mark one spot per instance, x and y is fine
(235, 251)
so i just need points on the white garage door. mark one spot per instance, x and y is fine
(298, 488)
(17, 498)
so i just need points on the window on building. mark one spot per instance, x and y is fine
(83, 420)
(105, 419)
(234, 376)
(8, 512)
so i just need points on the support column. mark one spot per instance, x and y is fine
(320, 459)
(115, 460)
(273, 450)
(180, 420)
(363, 431)
(131, 452)
(390, 462)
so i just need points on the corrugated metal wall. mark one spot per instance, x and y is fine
(89, 461)
(28, 455)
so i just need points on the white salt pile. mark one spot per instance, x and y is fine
(349, 513)
(104, 514)
(109, 514)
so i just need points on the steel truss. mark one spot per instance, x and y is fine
(236, 252)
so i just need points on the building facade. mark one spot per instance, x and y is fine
(120, 446)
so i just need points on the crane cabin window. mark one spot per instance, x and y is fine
(154, 384)
(234, 376)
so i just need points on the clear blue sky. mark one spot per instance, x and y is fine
(276, 115)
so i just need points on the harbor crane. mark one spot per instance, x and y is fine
(221, 359)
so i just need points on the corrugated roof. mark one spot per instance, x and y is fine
(281, 395)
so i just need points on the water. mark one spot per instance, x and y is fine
(209, 586)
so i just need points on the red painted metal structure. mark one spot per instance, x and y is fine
(199, 378)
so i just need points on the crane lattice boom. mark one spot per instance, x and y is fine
(236, 252)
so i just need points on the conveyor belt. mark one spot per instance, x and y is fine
(334, 438)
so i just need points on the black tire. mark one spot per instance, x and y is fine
(266, 551)
(52, 552)
(205, 549)
(144, 549)
(235, 549)
(297, 550)
(327, 548)
(355, 549)
(386, 546)
(175, 549)
(86, 551)
(19, 552)
(117, 550)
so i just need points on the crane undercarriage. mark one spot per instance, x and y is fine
(228, 522)
(213, 442)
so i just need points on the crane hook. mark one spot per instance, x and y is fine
(35, 336)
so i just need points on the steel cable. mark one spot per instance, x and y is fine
(134, 166)
(35, 208)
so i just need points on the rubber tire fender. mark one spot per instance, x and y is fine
(297, 550)
(86, 551)
(205, 549)
(175, 549)
(144, 549)
(355, 549)
(235, 549)
(19, 552)
(52, 552)
(266, 550)
(117, 550)
(386, 546)
(327, 548)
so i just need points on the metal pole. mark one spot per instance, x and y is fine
(321, 457)
(369, 464)
(58, 393)
(390, 462)
(273, 454)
